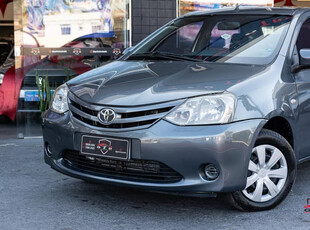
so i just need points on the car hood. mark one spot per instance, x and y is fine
(133, 83)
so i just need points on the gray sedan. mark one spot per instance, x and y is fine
(212, 102)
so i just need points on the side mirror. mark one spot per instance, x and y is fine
(304, 62)
(304, 57)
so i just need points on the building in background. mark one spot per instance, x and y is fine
(186, 6)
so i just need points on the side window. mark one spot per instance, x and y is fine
(182, 40)
(303, 41)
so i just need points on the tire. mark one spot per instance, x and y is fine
(270, 187)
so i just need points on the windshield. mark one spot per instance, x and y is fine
(247, 39)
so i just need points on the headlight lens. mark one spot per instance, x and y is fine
(206, 110)
(59, 103)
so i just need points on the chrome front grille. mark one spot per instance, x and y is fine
(126, 117)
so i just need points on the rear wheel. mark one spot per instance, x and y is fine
(271, 174)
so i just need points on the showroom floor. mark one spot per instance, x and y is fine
(7, 128)
(33, 196)
(19, 128)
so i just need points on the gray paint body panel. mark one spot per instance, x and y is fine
(263, 92)
(184, 149)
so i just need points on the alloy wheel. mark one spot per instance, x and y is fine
(267, 174)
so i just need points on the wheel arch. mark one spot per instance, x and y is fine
(283, 127)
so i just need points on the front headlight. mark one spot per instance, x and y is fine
(206, 110)
(59, 103)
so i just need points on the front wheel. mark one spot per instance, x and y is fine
(271, 174)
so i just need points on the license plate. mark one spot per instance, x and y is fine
(105, 147)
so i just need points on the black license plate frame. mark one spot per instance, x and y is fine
(105, 147)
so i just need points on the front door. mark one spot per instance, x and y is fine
(302, 79)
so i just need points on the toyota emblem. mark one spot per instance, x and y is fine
(106, 116)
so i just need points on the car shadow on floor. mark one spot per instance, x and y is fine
(103, 195)
(141, 201)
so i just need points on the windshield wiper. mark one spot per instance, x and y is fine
(166, 55)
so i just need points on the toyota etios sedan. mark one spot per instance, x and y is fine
(212, 102)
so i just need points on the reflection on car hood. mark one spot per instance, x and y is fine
(133, 83)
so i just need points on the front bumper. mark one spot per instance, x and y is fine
(183, 149)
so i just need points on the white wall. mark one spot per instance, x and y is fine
(81, 24)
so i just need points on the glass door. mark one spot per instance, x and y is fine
(57, 40)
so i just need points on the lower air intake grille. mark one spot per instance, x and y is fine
(133, 170)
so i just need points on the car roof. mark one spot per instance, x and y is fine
(251, 10)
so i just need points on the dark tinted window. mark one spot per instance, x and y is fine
(303, 40)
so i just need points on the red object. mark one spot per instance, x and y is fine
(287, 2)
(10, 88)
(3, 5)
(307, 208)
(12, 81)
(9, 93)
